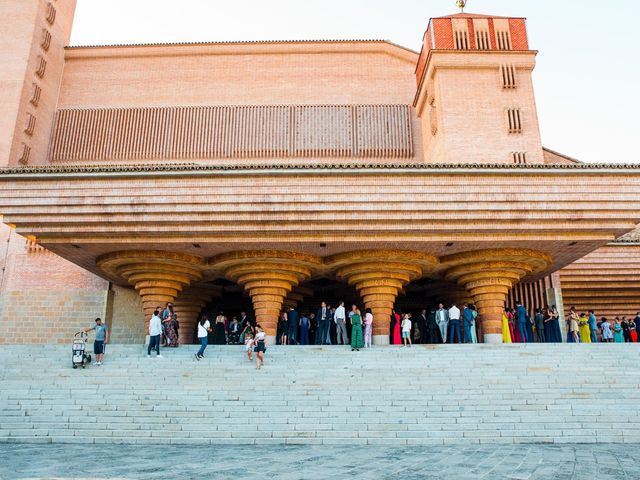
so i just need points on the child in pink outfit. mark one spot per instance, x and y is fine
(368, 321)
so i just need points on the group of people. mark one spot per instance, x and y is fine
(587, 329)
(327, 326)
(335, 326)
(253, 336)
(163, 329)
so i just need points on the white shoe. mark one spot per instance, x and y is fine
(148, 356)
(98, 363)
(158, 356)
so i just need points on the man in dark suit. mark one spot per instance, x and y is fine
(323, 318)
(433, 328)
(422, 326)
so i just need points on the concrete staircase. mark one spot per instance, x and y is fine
(452, 394)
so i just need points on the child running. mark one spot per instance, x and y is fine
(248, 345)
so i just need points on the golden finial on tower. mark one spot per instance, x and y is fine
(461, 4)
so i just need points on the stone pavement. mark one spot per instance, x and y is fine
(522, 462)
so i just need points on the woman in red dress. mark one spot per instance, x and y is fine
(633, 333)
(515, 337)
(396, 328)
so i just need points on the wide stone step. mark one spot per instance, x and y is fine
(425, 395)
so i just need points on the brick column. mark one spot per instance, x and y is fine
(488, 275)
(158, 276)
(189, 305)
(296, 296)
(378, 276)
(268, 276)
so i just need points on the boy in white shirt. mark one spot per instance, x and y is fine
(406, 329)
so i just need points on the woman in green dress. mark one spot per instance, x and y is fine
(357, 340)
(618, 336)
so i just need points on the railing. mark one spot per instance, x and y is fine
(378, 131)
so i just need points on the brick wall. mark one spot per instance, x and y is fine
(244, 74)
(44, 298)
(48, 316)
(127, 322)
(518, 34)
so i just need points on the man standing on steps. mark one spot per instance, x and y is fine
(433, 328)
(521, 320)
(155, 330)
(292, 318)
(102, 338)
(324, 314)
(340, 317)
(467, 321)
(454, 323)
(593, 327)
(442, 319)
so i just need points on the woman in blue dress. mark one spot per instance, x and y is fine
(618, 336)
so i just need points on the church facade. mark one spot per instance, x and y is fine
(262, 174)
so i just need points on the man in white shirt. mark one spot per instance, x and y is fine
(204, 328)
(155, 330)
(454, 321)
(442, 319)
(340, 318)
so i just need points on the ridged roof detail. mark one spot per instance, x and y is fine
(238, 42)
(203, 167)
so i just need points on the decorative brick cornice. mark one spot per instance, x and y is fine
(242, 42)
(181, 168)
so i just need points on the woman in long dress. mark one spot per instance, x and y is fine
(633, 333)
(618, 335)
(368, 322)
(397, 339)
(220, 337)
(555, 319)
(284, 328)
(474, 333)
(511, 318)
(356, 331)
(572, 317)
(549, 333)
(583, 327)
(506, 332)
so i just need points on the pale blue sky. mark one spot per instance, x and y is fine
(586, 81)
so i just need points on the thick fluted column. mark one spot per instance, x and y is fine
(158, 276)
(189, 305)
(488, 275)
(268, 276)
(378, 276)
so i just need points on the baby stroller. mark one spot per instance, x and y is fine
(80, 357)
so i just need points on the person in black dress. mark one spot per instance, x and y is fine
(219, 333)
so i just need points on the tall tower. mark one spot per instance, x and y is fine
(32, 43)
(475, 93)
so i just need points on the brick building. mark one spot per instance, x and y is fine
(256, 174)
